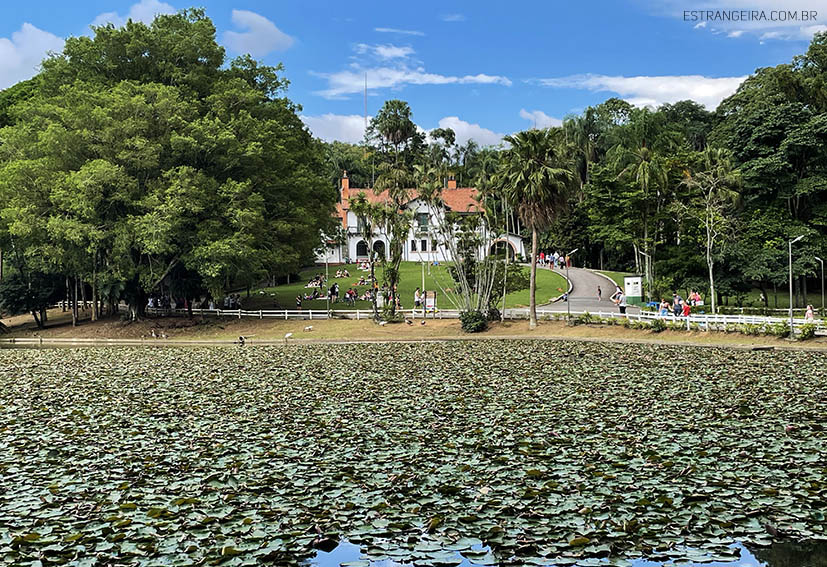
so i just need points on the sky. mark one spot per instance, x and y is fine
(483, 68)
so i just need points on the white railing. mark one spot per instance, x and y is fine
(704, 321)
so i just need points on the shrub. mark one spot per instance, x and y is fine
(751, 329)
(807, 331)
(493, 314)
(658, 325)
(583, 319)
(473, 321)
(781, 330)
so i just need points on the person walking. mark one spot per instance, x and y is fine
(599, 294)
(619, 299)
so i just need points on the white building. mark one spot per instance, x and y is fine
(423, 239)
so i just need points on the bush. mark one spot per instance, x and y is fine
(493, 314)
(781, 330)
(807, 331)
(473, 321)
(658, 325)
(584, 319)
(751, 329)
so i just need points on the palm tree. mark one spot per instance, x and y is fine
(646, 170)
(535, 175)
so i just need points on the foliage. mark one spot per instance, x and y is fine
(473, 321)
(142, 150)
(413, 451)
(29, 293)
(807, 331)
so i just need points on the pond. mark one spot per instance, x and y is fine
(548, 452)
(777, 555)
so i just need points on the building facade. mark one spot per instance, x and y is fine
(423, 243)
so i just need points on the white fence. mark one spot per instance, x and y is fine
(702, 321)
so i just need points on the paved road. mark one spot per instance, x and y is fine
(583, 296)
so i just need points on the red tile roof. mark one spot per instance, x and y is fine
(461, 199)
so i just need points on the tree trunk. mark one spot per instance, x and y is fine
(75, 303)
(37, 320)
(95, 313)
(711, 285)
(532, 286)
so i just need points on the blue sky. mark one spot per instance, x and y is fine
(484, 68)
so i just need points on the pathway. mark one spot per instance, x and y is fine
(583, 295)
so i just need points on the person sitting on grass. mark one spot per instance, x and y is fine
(338, 273)
(299, 302)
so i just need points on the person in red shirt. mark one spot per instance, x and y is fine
(686, 309)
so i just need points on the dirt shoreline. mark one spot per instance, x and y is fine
(179, 331)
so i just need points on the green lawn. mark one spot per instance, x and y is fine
(617, 277)
(549, 285)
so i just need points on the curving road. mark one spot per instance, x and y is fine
(583, 295)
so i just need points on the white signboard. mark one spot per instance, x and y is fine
(430, 301)
(633, 286)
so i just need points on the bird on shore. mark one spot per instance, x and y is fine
(154, 336)
(287, 336)
(408, 321)
(382, 323)
(308, 328)
(422, 322)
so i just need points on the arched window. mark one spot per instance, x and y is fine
(361, 249)
(379, 248)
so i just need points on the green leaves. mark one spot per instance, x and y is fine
(531, 452)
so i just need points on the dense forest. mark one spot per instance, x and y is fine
(141, 155)
(672, 193)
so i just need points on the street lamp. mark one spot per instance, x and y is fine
(568, 299)
(793, 241)
(820, 261)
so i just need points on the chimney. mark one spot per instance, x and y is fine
(345, 186)
(452, 183)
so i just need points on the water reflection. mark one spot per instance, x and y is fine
(778, 555)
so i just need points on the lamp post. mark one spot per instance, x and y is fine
(568, 299)
(791, 242)
(820, 261)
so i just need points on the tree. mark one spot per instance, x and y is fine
(714, 190)
(142, 151)
(536, 175)
(368, 215)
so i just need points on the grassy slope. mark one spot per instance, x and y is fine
(549, 284)
(617, 277)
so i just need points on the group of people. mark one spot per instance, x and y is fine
(680, 307)
(553, 260)
(342, 274)
(316, 281)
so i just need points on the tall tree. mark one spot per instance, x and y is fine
(536, 175)
(714, 186)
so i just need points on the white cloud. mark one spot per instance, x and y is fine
(540, 119)
(260, 38)
(348, 82)
(343, 127)
(774, 19)
(385, 51)
(396, 30)
(351, 128)
(144, 11)
(21, 55)
(466, 131)
(452, 17)
(653, 91)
